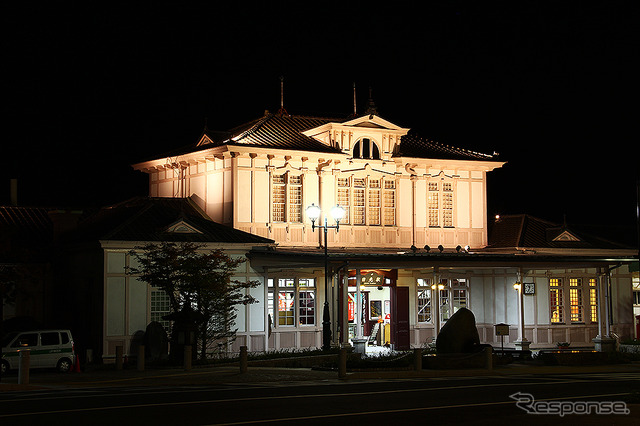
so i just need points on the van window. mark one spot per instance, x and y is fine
(50, 338)
(26, 339)
(65, 337)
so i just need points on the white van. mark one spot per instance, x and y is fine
(48, 349)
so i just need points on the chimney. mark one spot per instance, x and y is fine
(14, 192)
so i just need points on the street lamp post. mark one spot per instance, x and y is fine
(337, 213)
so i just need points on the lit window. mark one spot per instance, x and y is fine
(389, 195)
(424, 300)
(292, 292)
(575, 299)
(593, 299)
(440, 204)
(453, 296)
(556, 302)
(281, 186)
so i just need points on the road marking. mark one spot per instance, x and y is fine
(405, 410)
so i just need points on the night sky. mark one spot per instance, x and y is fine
(553, 87)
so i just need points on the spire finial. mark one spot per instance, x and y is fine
(354, 99)
(372, 110)
(282, 111)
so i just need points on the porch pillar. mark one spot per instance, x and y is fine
(360, 343)
(522, 343)
(344, 295)
(603, 342)
(435, 294)
(267, 322)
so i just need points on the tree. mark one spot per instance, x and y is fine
(196, 280)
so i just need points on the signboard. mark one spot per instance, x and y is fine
(502, 329)
(372, 279)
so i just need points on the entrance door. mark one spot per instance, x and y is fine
(401, 315)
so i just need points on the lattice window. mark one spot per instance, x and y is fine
(279, 197)
(374, 202)
(307, 301)
(295, 199)
(423, 298)
(389, 195)
(447, 204)
(358, 206)
(556, 300)
(433, 205)
(575, 299)
(159, 307)
(593, 299)
(344, 202)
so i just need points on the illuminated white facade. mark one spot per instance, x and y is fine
(391, 200)
(415, 227)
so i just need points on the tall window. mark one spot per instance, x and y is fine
(159, 307)
(286, 198)
(556, 302)
(344, 198)
(575, 299)
(296, 301)
(423, 297)
(367, 201)
(389, 196)
(593, 299)
(440, 204)
(279, 197)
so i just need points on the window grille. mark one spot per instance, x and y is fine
(593, 299)
(575, 299)
(556, 300)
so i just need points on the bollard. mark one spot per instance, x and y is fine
(118, 357)
(243, 359)
(417, 359)
(23, 368)
(489, 358)
(187, 357)
(342, 363)
(141, 358)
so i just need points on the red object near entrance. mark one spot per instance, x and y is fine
(401, 315)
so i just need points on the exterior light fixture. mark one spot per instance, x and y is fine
(517, 286)
(337, 213)
(467, 248)
(458, 248)
(427, 248)
(440, 248)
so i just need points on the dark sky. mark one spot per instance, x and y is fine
(552, 86)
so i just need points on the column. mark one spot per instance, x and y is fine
(522, 343)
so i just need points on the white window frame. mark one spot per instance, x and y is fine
(292, 289)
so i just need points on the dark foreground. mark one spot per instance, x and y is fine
(277, 396)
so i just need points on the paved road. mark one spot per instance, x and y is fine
(187, 398)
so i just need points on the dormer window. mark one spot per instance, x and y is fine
(366, 148)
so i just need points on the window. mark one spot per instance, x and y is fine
(581, 291)
(367, 201)
(50, 338)
(424, 300)
(292, 292)
(556, 302)
(160, 307)
(440, 204)
(593, 299)
(366, 148)
(389, 195)
(636, 291)
(575, 299)
(286, 189)
(279, 198)
(453, 296)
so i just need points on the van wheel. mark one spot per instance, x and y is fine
(4, 366)
(64, 365)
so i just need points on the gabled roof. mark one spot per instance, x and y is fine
(528, 232)
(30, 223)
(157, 219)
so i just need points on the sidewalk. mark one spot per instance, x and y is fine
(230, 374)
